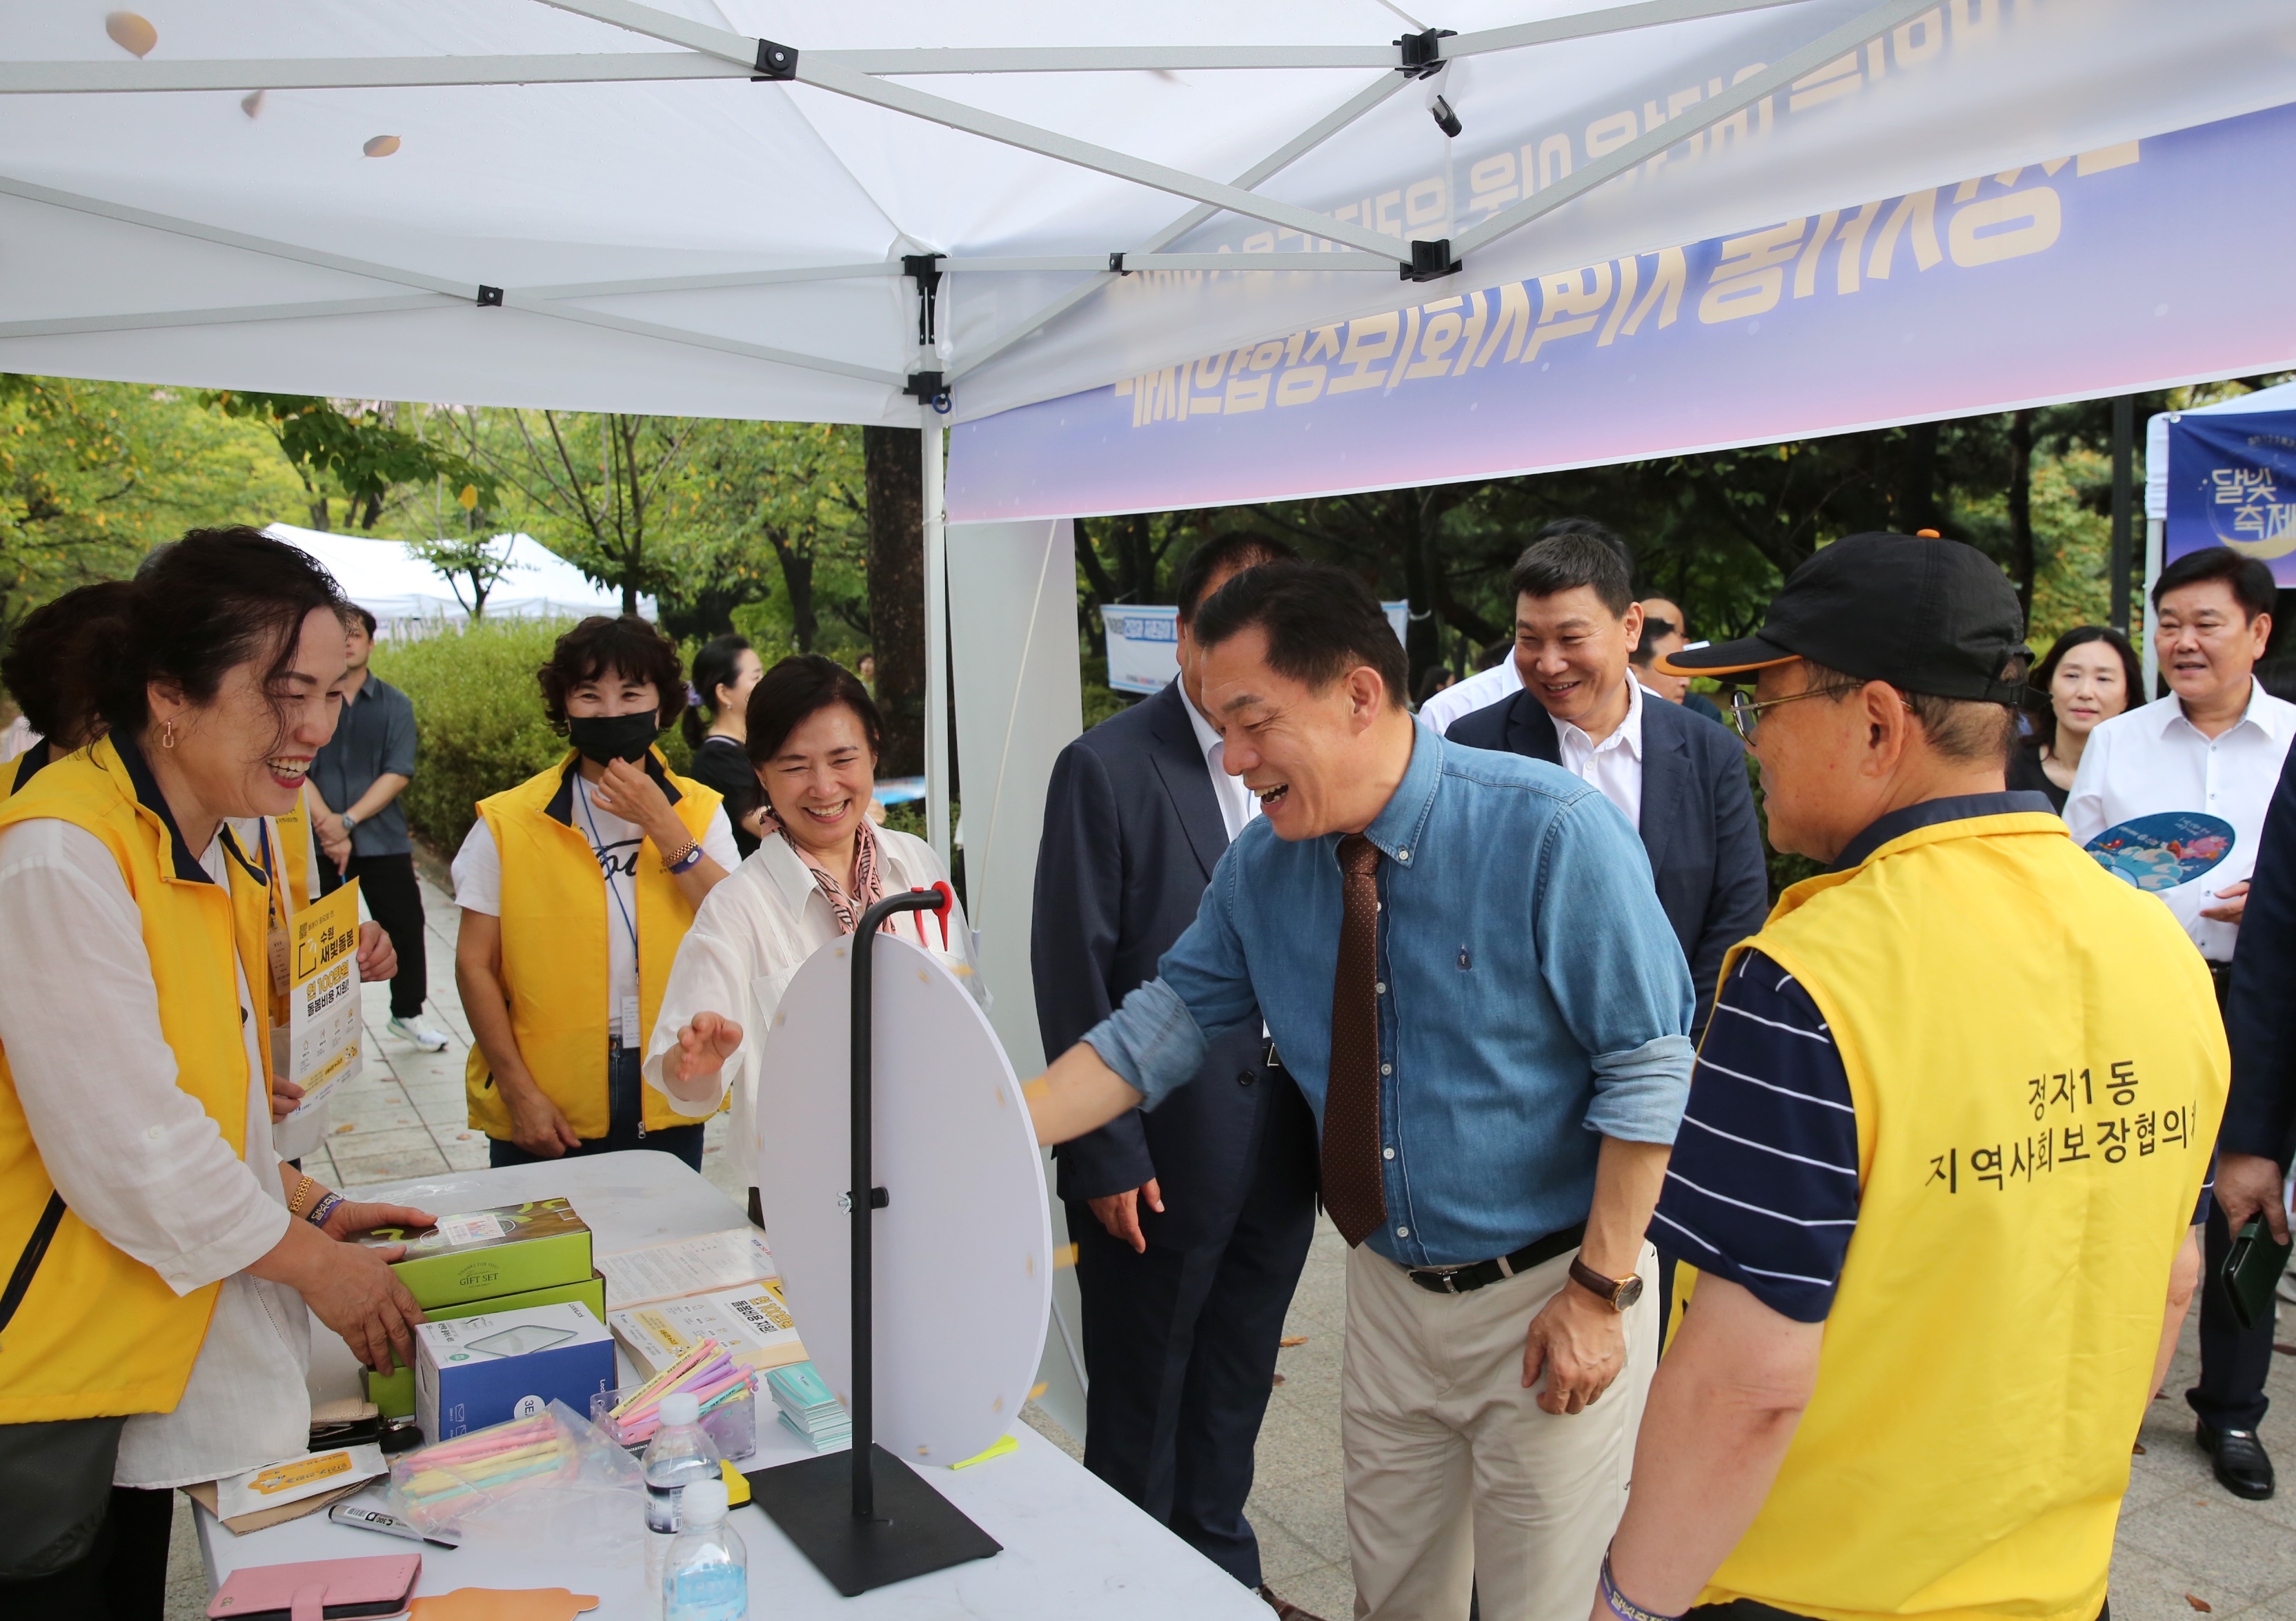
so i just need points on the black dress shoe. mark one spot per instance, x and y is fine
(2243, 1468)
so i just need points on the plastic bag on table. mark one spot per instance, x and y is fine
(553, 1480)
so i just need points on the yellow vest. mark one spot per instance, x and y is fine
(294, 853)
(2039, 1069)
(18, 772)
(98, 1332)
(554, 948)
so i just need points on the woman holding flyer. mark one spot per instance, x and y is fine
(160, 1255)
(812, 737)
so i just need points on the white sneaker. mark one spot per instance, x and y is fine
(418, 1034)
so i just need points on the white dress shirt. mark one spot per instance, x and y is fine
(618, 844)
(1615, 764)
(752, 934)
(1238, 804)
(2153, 760)
(139, 1160)
(1480, 690)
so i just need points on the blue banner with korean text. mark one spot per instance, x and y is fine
(2232, 481)
(2096, 272)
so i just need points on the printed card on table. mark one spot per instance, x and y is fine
(322, 1003)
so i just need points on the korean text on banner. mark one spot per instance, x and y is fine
(1144, 644)
(322, 1003)
(2232, 481)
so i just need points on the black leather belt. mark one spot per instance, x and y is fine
(1481, 1274)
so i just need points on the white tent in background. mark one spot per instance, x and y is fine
(409, 598)
(920, 212)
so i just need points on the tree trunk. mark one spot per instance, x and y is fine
(2021, 508)
(1916, 501)
(893, 458)
(1422, 638)
(796, 579)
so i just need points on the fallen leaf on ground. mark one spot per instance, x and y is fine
(2283, 1348)
(2140, 1449)
(2202, 1605)
(1279, 1379)
(1302, 1339)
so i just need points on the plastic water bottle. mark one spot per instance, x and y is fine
(680, 1454)
(707, 1578)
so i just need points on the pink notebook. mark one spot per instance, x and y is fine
(382, 1585)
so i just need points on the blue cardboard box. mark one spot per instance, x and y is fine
(474, 1371)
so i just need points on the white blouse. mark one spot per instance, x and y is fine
(138, 1159)
(751, 935)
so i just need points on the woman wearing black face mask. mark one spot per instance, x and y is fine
(576, 888)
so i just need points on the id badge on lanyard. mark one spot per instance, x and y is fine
(628, 1022)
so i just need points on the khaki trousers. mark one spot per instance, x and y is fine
(1457, 1480)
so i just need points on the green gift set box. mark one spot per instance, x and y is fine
(504, 1259)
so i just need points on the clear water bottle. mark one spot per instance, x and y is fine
(708, 1577)
(680, 1454)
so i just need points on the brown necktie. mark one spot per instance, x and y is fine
(1354, 1191)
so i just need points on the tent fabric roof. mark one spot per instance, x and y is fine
(2262, 401)
(208, 214)
(389, 582)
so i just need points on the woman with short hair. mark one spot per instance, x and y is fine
(2090, 674)
(813, 734)
(576, 888)
(162, 1255)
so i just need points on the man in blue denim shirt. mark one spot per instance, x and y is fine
(1462, 960)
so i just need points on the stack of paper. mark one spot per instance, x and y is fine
(685, 1266)
(807, 1408)
(753, 1323)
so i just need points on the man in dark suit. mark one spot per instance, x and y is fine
(1680, 779)
(1191, 1223)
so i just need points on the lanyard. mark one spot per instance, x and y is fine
(598, 843)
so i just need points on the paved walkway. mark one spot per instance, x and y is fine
(2186, 1546)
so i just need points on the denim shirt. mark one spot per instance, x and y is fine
(1534, 998)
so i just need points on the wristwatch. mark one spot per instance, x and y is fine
(1618, 1294)
(349, 822)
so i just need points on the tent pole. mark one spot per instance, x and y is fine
(2124, 501)
(2155, 542)
(936, 646)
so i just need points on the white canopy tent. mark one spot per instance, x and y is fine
(921, 211)
(408, 596)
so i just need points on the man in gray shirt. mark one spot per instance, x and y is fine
(364, 769)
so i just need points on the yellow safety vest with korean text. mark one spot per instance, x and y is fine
(554, 948)
(2038, 1068)
(98, 1332)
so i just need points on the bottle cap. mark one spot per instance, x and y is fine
(702, 1504)
(680, 1407)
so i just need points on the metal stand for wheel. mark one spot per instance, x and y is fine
(891, 1524)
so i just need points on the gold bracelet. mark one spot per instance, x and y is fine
(302, 1191)
(677, 863)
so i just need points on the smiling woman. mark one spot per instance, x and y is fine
(143, 1208)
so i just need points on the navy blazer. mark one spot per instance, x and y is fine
(1132, 831)
(2260, 1115)
(1697, 821)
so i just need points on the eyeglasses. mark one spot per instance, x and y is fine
(1745, 714)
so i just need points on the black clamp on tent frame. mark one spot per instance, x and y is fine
(1423, 57)
(1116, 265)
(1430, 262)
(930, 388)
(925, 269)
(490, 298)
(775, 62)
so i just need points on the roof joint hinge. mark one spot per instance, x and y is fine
(775, 62)
(1430, 262)
(1421, 55)
(1116, 265)
(490, 297)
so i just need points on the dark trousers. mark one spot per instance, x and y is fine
(2234, 1360)
(124, 1577)
(624, 1127)
(1179, 1346)
(387, 883)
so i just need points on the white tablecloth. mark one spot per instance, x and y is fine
(1072, 1547)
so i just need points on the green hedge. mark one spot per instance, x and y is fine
(478, 712)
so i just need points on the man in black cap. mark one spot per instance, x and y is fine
(1937, 1171)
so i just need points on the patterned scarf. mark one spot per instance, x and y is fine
(867, 888)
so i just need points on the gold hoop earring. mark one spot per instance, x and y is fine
(166, 733)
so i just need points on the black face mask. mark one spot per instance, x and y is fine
(606, 738)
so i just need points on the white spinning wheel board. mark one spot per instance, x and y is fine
(963, 1250)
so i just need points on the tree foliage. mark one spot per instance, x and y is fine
(356, 446)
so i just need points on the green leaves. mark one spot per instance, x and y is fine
(363, 453)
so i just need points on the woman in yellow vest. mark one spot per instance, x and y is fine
(1936, 1182)
(576, 888)
(36, 675)
(158, 1254)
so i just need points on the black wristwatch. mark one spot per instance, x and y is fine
(1618, 1294)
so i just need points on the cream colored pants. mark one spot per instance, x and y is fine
(1455, 1479)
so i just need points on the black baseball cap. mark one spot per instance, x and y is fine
(1925, 614)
